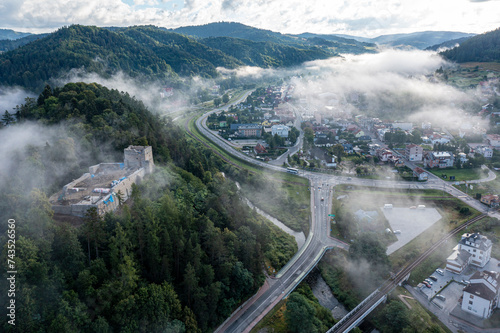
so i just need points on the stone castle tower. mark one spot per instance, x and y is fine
(136, 157)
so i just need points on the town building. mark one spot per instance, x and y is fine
(482, 295)
(420, 173)
(247, 130)
(486, 151)
(478, 246)
(490, 200)
(493, 140)
(384, 155)
(458, 260)
(280, 130)
(403, 126)
(441, 159)
(259, 149)
(414, 153)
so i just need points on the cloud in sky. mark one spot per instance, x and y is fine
(356, 17)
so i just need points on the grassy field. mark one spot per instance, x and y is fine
(492, 187)
(491, 66)
(460, 174)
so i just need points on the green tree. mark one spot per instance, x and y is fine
(7, 118)
(394, 318)
(225, 98)
(299, 314)
(217, 102)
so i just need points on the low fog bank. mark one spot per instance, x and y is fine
(392, 84)
(10, 97)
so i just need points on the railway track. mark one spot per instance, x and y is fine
(390, 284)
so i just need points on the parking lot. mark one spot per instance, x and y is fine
(453, 291)
(411, 223)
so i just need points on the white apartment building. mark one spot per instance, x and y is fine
(281, 130)
(478, 246)
(481, 296)
(414, 153)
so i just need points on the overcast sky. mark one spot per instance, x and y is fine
(368, 18)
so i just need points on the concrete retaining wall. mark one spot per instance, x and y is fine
(125, 186)
(76, 181)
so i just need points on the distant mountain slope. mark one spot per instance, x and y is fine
(419, 40)
(11, 34)
(12, 44)
(448, 44)
(340, 44)
(264, 54)
(238, 30)
(481, 48)
(185, 55)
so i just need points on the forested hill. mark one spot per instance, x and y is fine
(263, 54)
(81, 47)
(448, 44)
(12, 44)
(145, 51)
(181, 255)
(11, 34)
(480, 48)
(302, 41)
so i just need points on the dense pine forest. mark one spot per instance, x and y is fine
(179, 256)
(480, 48)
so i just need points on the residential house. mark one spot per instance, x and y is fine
(438, 138)
(259, 149)
(487, 152)
(266, 123)
(478, 246)
(280, 130)
(493, 140)
(440, 159)
(414, 153)
(384, 155)
(420, 173)
(490, 200)
(365, 138)
(462, 157)
(458, 260)
(330, 161)
(348, 148)
(403, 126)
(482, 295)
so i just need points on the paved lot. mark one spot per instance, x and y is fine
(453, 293)
(411, 222)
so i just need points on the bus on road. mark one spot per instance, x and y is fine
(293, 170)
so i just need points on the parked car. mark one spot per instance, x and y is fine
(397, 232)
(428, 281)
(441, 297)
(440, 271)
(349, 178)
(466, 282)
(426, 284)
(432, 277)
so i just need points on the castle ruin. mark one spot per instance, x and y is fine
(106, 185)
